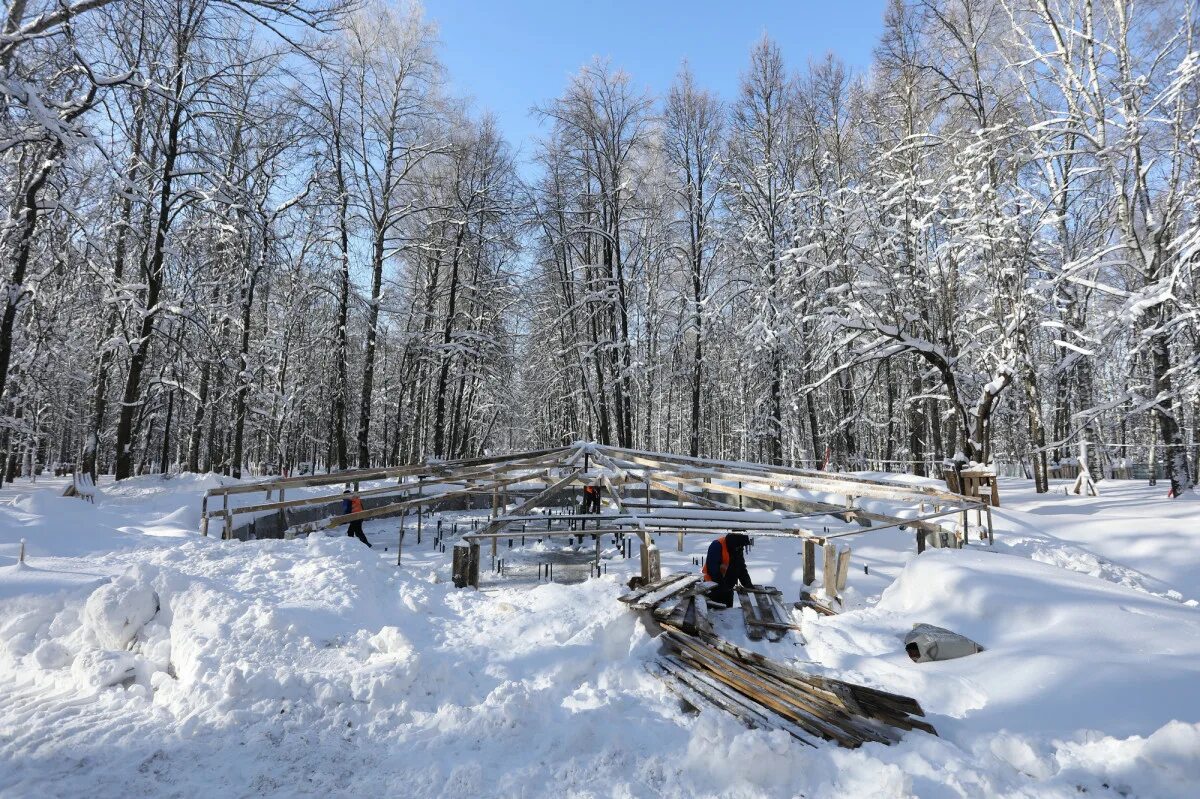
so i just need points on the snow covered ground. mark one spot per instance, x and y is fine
(138, 659)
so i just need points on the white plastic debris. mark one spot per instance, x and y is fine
(926, 642)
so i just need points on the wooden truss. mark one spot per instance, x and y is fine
(648, 494)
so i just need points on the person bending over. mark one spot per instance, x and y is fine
(726, 566)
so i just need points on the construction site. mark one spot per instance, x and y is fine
(578, 512)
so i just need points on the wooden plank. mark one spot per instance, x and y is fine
(816, 695)
(781, 612)
(724, 698)
(756, 688)
(703, 623)
(887, 705)
(641, 591)
(810, 561)
(754, 629)
(704, 688)
(807, 600)
(776, 628)
(663, 594)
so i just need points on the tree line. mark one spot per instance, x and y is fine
(254, 235)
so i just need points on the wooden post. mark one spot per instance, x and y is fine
(920, 541)
(473, 565)
(400, 537)
(654, 564)
(204, 516)
(21, 557)
(282, 511)
(679, 497)
(843, 569)
(830, 571)
(810, 561)
(227, 531)
(420, 521)
(459, 567)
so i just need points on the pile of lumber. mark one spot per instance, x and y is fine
(679, 600)
(679, 585)
(766, 694)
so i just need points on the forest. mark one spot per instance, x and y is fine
(250, 236)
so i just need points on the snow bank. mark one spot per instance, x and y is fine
(1064, 651)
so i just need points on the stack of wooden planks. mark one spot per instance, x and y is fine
(764, 614)
(766, 694)
(673, 586)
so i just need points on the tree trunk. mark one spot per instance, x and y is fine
(364, 417)
(132, 396)
(1175, 450)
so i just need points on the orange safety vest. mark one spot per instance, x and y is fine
(355, 505)
(724, 562)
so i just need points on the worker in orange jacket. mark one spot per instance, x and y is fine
(591, 499)
(726, 566)
(352, 504)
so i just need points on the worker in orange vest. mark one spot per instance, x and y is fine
(591, 499)
(726, 566)
(352, 504)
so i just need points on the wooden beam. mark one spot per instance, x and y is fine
(541, 498)
(425, 499)
(365, 475)
(401, 488)
(800, 478)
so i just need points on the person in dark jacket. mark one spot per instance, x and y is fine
(725, 565)
(352, 504)
(591, 499)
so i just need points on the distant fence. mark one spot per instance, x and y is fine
(1010, 466)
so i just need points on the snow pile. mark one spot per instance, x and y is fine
(1083, 680)
(115, 612)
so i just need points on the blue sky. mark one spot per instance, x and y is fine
(510, 55)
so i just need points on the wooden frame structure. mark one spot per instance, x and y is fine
(649, 494)
(416, 485)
